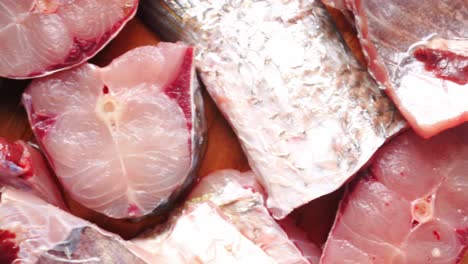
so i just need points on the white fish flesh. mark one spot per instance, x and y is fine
(307, 115)
(411, 206)
(418, 52)
(226, 211)
(39, 37)
(124, 140)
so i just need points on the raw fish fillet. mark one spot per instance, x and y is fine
(231, 201)
(411, 207)
(32, 231)
(418, 52)
(39, 37)
(124, 140)
(23, 167)
(307, 115)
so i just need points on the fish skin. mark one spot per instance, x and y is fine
(46, 234)
(307, 115)
(410, 206)
(234, 200)
(390, 38)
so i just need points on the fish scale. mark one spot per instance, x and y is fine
(277, 66)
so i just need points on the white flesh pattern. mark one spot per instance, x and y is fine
(414, 207)
(38, 35)
(128, 159)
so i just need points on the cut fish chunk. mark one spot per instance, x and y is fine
(418, 52)
(32, 231)
(124, 139)
(203, 235)
(410, 207)
(307, 115)
(39, 37)
(233, 201)
(24, 168)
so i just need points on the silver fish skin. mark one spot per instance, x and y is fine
(41, 233)
(418, 52)
(307, 114)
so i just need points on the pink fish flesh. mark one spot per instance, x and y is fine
(231, 201)
(39, 37)
(125, 139)
(418, 52)
(307, 115)
(32, 231)
(23, 167)
(411, 207)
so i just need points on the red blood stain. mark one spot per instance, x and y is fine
(105, 90)
(133, 210)
(179, 89)
(462, 235)
(444, 64)
(436, 235)
(8, 249)
(14, 154)
(42, 124)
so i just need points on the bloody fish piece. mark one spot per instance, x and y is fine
(233, 201)
(410, 207)
(307, 115)
(418, 52)
(33, 231)
(124, 140)
(39, 37)
(23, 167)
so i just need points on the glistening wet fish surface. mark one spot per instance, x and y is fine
(418, 52)
(124, 140)
(225, 221)
(40, 37)
(410, 207)
(307, 115)
(33, 231)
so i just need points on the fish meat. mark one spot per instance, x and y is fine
(418, 52)
(307, 115)
(33, 231)
(228, 206)
(39, 37)
(23, 167)
(124, 140)
(411, 206)
(203, 235)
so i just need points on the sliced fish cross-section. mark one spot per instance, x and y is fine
(418, 52)
(411, 207)
(124, 139)
(39, 37)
